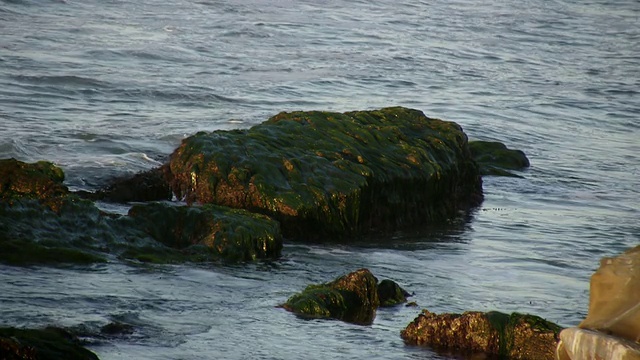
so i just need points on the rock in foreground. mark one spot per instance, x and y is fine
(614, 313)
(47, 344)
(351, 298)
(515, 336)
(324, 174)
(578, 344)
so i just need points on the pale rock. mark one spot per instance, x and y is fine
(581, 344)
(614, 303)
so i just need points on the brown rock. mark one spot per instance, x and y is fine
(515, 336)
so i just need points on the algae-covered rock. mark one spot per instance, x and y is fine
(325, 174)
(42, 223)
(47, 344)
(152, 185)
(515, 336)
(390, 293)
(41, 181)
(579, 344)
(351, 298)
(496, 159)
(231, 234)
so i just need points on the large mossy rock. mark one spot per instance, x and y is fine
(232, 234)
(515, 336)
(42, 223)
(333, 175)
(494, 158)
(47, 344)
(352, 298)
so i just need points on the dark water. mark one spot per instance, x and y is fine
(105, 88)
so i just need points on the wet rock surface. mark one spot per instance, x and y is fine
(46, 344)
(333, 175)
(494, 158)
(391, 294)
(231, 234)
(515, 336)
(41, 222)
(351, 298)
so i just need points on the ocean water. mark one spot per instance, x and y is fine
(107, 88)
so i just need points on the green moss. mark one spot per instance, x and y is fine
(506, 325)
(352, 298)
(390, 293)
(223, 233)
(47, 344)
(496, 159)
(333, 174)
(28, 253)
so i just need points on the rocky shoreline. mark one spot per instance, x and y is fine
(301, 176)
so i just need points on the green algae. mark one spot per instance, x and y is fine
(46, 344)
(390, 293)
(333, 175)
(496, 159)
(230, 234)
(21, 253)
(352, 298)
(500, 335)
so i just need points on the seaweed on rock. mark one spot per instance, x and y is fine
(333, 175)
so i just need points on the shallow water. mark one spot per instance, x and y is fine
(105, 88)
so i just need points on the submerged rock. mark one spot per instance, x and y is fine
(42, 223)
(390, 293)
(614, 313)
(351, 298)
(324, 174)
(515, 336)
(47, 344)
(496, 159)
(231, 234)
(152, 185)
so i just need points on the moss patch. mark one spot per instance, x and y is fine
(335, 175)
(351, 298)
(496, 159)
(47, 344)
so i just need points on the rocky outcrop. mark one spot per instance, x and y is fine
(335, 175)
(515, 336)
(614, 313)
(231, 234)
(42, 223)
(352, 298)
(47, 344)
(494, 158)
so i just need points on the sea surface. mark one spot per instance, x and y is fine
(105, 88)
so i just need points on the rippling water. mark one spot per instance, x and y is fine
(105, 88)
